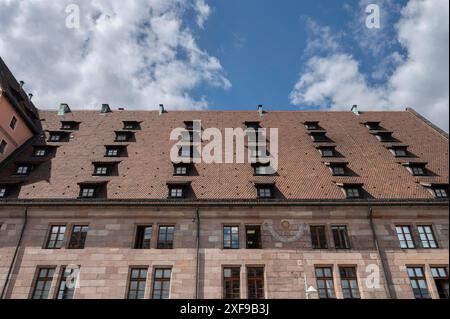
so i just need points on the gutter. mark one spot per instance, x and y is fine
(197, 274)
(390, 291)
(16, 252)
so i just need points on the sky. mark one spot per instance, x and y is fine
(231, 54)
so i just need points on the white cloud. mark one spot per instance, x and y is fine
(203, 12)
(420, 79)
(133, 54)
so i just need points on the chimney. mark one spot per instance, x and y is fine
(260, 110)
(355, 109)
(21, 83)
(64, 109)
(105, 108)
(30, 96)
(161, 109)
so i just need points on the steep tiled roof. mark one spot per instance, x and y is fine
(302, 172)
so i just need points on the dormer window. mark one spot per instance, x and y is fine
(310, 125)
(13, 123)
(124, 136)
(89, 191)
(178, 190)
(265, 191)
(262, 169)
(385, 137)
(417, 169)
(104, 169)
(353, 191)
(399, 151)
(23, 169)
(253, 125)
(3, 191)
(40, 152)
(338, 169)
(189, 125)
(69, 125)
(131, 125)
(57, 136)
(181, 169)
(440, 191)
(3, 145)
(8, 190)
(327, 151)
(373, 126)
(115, 151)
(319, 137)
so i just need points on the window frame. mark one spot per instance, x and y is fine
(131, 125)
(429, 241)
(423, 293)
(165, 243)
(255, 282)
(351, 190)
(441, 280)
(47, 279)
(139, 293)
(77, 240)
(3, 191)
(230, 244)
(231, 280)
(180, 191)
(330, 292)
(262, 190)
(258, 243)
(410, 244)
(3, 146)
(161, 280)
(140, 237)
(23, 169)
(439, 191)
(316, 242)
(322, 151)
(66, 292)
(88, 187)
(339, 169)
(347, 278)
(13, 123)
(343, 242)
(59, 243)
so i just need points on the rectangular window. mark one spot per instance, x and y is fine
(312, 125)
(400, 152)
(55, 137)
(176, 191)
(66, 286)
(180, 170)
(143, 237)
(418, 282)
(327, 152)
(13, 123)
(87, 192)
(131, 125)
(405, 237)
(165, 237)
(385, 137)
(161, 283)
(231, 237)
(440, 192)
(69, 125)
(418, 170)
(78, 237)
(253, 234)
(426, 236)
(2, 192)
(320, 137)
(262, 169)
(325, 283)
(264, 191)
(340, 236)
(3, 145)
(138, 281)
(375, 126)
(353, 192)
(124, 136)
(440, 276)
(23, 169)
(231, 283)
(40, 152)
(56, 237)
(339, 170)
(255, 282)
(319, 237)
(44, 278)
(349, 282)
(103, 169)
(113, 151)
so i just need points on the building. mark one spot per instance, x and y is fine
(358, 208)
(18, 117)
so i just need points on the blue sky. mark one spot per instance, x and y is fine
(230, 54)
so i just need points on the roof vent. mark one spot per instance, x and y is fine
(21, 83)
(260, 110)
(105, 108)
(30, 96)
(64, 109)
(355, 110)
(161, 109)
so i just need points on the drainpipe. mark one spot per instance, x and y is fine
(390, 290)
(16, 252)
(197, 275)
